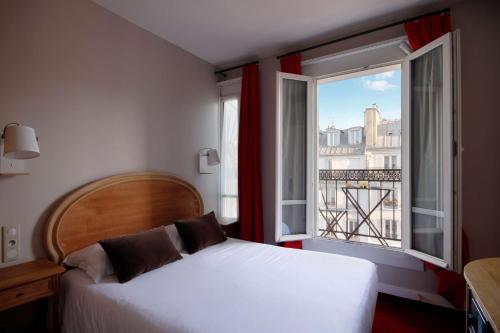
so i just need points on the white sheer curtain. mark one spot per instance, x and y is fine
(427, 152)
(229, 159)
(294, 156)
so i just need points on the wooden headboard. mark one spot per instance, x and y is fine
(116, 206)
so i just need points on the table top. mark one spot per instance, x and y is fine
(374, 188)
(17, 275)
(334, 210)
(483, 278)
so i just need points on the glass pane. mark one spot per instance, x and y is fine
(427, 234)
(362, 112)
(229, 207)
(294, 129)
(427, 150)
(293, 219)
(229, 156)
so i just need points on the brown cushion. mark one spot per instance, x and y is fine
(201, 232)
(135, 254)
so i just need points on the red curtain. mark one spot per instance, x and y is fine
(450, 284)
(426, 29)
(292, 64)
(249, 177)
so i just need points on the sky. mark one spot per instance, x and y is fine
(343, 102)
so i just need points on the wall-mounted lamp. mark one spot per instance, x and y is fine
(208, 157)
(20, 142)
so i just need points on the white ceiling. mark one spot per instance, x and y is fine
(225, 31)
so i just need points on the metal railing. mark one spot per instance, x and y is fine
(361, 205)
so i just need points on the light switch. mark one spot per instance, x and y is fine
(10, 242)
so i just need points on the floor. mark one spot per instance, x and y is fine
(395, 315)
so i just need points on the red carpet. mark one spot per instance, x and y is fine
(396, 315)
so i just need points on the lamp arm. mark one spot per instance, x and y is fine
(3, 136)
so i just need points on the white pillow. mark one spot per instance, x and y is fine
(174, 236)
(92, 260)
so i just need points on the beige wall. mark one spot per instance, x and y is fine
(479, 26)
(104, 97)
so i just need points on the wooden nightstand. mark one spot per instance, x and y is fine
(25, 283)
(232, 230)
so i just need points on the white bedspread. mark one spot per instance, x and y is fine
(234, 286)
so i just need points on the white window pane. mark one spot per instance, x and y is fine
(294, 140)
(229, 148)
(229, 158)
(293, 217)
(427, 187)
(427, 234)
(294, 157)
(229, 207)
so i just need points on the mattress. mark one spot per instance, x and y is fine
(234, 286)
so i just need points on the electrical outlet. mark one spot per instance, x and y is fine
(11, 246)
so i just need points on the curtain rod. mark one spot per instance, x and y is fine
(363, 33)
(235, 67)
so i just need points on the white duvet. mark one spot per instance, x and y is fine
(234, 286)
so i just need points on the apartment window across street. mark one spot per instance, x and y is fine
(364, 156)
(391, 162)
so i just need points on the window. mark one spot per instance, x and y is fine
(353, 224)
(388, 228)
(355, 136)
(403, 162)
(390, 162)
(295, 151)
(394, 162)
(391, 229)
(333, 138)
(229, 159)
(428, 125)
(229, 123)
(347, 102)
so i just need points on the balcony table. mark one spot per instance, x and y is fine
(384, 193)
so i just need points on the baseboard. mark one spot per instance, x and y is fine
(416, 295)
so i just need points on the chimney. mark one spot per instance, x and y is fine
(372, 118)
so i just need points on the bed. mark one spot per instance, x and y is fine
(234, 286)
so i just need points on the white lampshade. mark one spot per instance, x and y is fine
(213, 157)
(20, 142)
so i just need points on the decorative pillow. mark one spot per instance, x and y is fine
(201, 232)
(136, 254)
(174, 236)
(92, 260)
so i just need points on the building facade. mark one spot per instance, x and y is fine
(375, 146)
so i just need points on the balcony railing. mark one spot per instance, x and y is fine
(361, 205)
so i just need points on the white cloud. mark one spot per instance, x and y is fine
(384, 75)
(378, 85)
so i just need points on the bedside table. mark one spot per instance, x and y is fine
(27, 282)
(483, 295)
(232, 229)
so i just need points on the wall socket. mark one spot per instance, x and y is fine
(11, 246)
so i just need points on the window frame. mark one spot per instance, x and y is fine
(311, 159)
(449, 222)
(455, 235)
